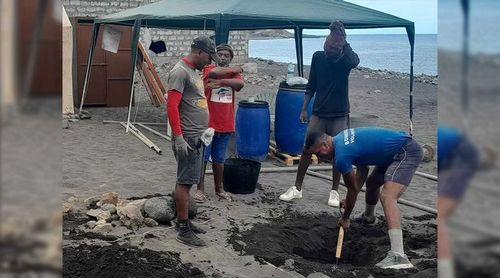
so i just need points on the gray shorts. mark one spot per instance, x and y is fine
(402, 168)
(190, 168)
(456, 173)
(330, 126)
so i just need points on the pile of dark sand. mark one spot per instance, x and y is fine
(310, 241)
(123, 261)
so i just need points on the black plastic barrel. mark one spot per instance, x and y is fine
(240, 175)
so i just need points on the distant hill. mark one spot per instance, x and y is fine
(275, 34)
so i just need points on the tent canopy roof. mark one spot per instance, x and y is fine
(255, 14)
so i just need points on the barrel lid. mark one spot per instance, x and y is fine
(254, 104)
(300, 87)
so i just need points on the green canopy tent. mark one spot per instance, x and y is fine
(223, 16)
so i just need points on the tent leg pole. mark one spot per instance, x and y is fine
(89, 66)
(299, 51)
(135, 40)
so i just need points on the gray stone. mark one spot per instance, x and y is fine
(72, 200)
(100, 222)
(115, 217)
(139, 203)
(377, 91)
(89, 201)
(116, 223)
(317, 275)
(130, 215)
(103, 228)
(91, 224)
(289, 264)
(150, 222)
(94, 212)
(105, 215)
(109, 207)
(68, 207)
(159, 209)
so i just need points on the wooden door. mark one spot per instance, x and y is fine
(110, 78)
(47, 72)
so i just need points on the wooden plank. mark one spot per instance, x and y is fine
(146, 85)
(152, 67)
(287, 159)
(152, 94)
(149, 76)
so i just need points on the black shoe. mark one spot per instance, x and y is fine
(193, 227)
(190, 238)
(368, 221)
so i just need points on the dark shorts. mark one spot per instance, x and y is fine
(190, 168)
(402, 168)
(330, 126)
(218, 148)
(456, 173)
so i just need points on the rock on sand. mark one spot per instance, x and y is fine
(160, 209)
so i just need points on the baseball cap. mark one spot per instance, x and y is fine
(205, 44)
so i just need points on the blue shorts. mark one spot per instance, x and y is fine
(217, 149)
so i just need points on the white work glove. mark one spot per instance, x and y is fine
(181, 147)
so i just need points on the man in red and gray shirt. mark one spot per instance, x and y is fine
(221, 82)
(187, 110)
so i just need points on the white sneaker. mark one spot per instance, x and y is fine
(334, 199)
(290, 194)
(395, 261)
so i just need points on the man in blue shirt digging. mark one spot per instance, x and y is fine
(395, 155)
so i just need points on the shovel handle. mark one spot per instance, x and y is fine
(339, 242)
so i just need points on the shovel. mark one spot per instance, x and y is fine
(339, 244)
(340, 240)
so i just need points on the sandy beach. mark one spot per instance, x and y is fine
(101, 158)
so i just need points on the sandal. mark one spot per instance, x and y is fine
(199, 197)
(224, 195)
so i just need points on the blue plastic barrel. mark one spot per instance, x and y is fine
(253, 128)
(289, 132)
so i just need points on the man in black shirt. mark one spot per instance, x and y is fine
(329, 82)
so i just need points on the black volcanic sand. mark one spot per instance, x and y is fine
(114, 260)
(311, 241)
(123, 261)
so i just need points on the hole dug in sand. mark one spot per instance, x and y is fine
(310, 241)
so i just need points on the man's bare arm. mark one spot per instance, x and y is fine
(220, 72)
(353, 189)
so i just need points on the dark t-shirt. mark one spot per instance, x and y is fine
(329, 81)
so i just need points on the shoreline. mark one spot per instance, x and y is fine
(421, 77)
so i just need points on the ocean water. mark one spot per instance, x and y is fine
(391, 52)
(483, 25)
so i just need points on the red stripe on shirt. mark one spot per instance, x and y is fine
(173, 101)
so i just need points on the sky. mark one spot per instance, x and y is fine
(423, 12)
